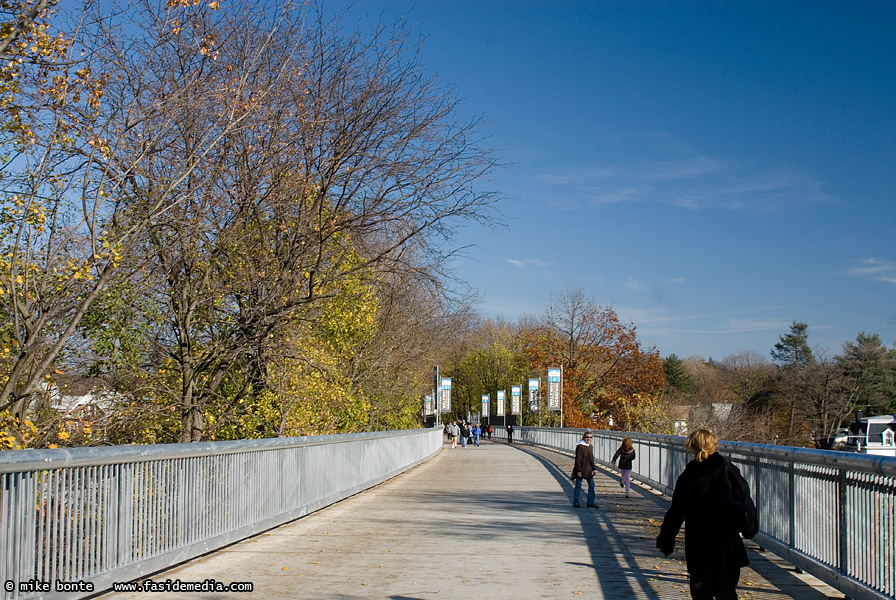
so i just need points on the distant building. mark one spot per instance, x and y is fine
(90, 404)
(680, 418)
(687, 417)
(872, 435)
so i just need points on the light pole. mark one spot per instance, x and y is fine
(435, 395)
(561, 396)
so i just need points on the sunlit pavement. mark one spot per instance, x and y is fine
(490, 522)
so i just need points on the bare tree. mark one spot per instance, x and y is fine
(747, 374)
(355, 167)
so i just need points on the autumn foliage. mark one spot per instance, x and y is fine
(606, 372)
(207, 207)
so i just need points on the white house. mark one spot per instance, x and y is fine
(873, 435)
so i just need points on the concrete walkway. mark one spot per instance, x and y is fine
(488, 522)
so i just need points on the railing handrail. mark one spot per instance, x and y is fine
(28, 460)
(865, 463)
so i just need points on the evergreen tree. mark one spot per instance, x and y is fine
(677, 377)
(870, 373)
(793, 355)
(793, 349)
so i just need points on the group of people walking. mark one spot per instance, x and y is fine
(710, 495)
(465, 433)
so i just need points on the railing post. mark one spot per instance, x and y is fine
(792, 485)
(843, 523)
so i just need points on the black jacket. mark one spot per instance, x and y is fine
(625, 458)
(712, 544)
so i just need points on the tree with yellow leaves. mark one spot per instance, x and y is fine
(75, 208)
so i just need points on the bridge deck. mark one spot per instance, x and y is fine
(488, 522)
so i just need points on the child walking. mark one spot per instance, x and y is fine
(625, 454)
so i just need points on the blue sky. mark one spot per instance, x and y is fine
(714, 170)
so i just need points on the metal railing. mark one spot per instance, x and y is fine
(73, 521)
(831, 514)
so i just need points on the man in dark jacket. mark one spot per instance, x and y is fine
(713, 548)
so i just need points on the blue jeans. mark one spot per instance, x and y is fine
(463, 440)
(475, 439)
(577, 491)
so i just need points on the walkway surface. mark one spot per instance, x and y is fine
(488, 522)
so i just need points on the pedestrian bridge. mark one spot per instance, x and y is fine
(434, 522)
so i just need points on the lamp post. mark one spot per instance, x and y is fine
(561, 396)
(435, 395)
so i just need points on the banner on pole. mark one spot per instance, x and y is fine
(500, 409)
(516, 400)
(534, 405)
(554, 390)
(427, 405)
(445, 399)
(485, 399)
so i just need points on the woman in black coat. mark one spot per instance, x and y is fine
(713, 547)
(584, 469)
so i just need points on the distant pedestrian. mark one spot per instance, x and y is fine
(509, 433)
(625, 454)
(455, 433)
(477, 433)
(489, 432)
(464, 433)
(713, 548)
(583, 469)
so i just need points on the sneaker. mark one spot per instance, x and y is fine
(592, 506)
(620, 484)
(626, 494)
(577, 505)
